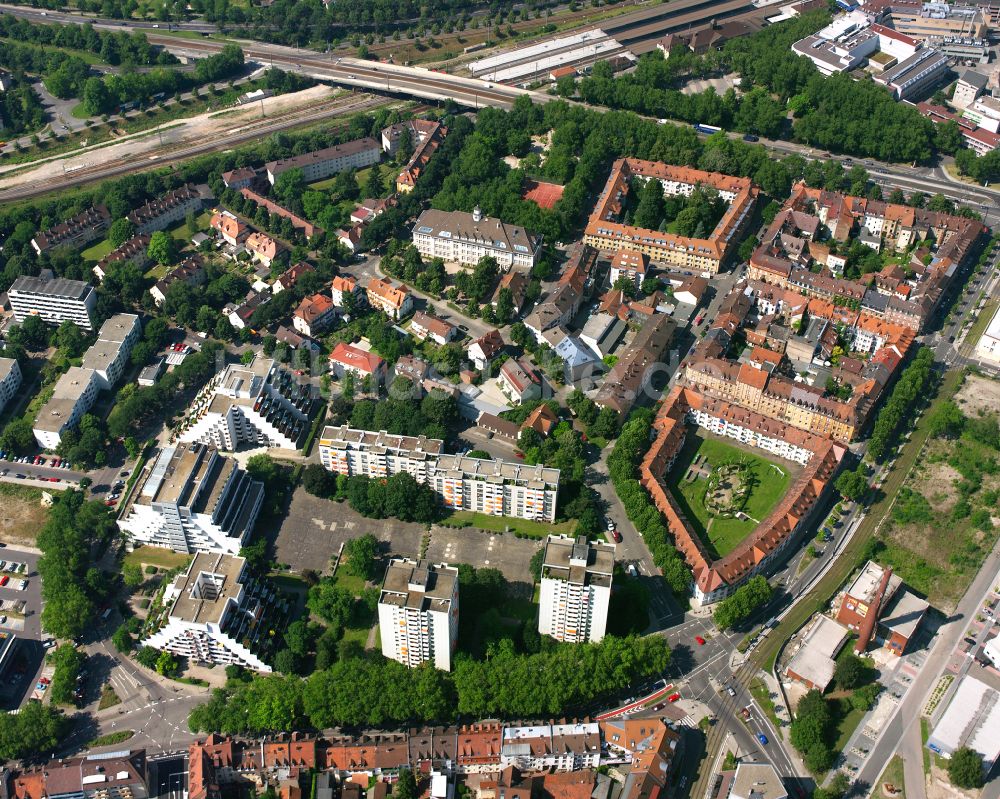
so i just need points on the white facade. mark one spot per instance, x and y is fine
(552, 747)
(776, 446)
(109, 355)
(211, 614)
(418, 613)
(349, 451)
(193, 500)
(72, 397)
(988, 346)
(55, 300)
(494, 487)
(10, 380)
(464, 238)
(259, 405)
(321, 164)
(575, 589)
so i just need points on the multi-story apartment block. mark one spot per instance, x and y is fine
(193, 500)
(133, 251)
(71, 398)
(108, 356)
(418, 613)
(169, 209)
(190, 271)
(575, 589)
(464, 238)
(217, 614)
(10, 380)
(320, 164)
(552, 747)
(54, 300)
(349, 451)
(74, 232)
(395, 301)
(496, 487)
(260, 404)
(605, 232)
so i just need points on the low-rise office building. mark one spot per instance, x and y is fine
(260, 404)
(916, 74)
(464, 238)
(575, 589)
(54, 300)
(193, 500)
(418, 613)
(217, 614)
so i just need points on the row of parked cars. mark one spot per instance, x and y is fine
(35, 460)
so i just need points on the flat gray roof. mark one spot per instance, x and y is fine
(57, 287)
(419, 585)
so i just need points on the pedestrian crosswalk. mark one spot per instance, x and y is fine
(687, 721)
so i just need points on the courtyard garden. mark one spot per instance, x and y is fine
(725, 490)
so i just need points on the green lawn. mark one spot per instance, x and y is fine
(501, 524)
(722, 535)
(893, 775)
(157, 556)
(183, 235)
(349, 582)
(981, 323)
(156, 272)
(97, 252)
(848, 719)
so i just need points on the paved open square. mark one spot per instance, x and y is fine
(315, 528)
(478, 548)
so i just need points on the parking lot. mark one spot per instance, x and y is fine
(19, 615)
(315, 528)
(479, 548)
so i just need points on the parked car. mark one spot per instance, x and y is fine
(673, 697)
(700, 640)
(616, 536)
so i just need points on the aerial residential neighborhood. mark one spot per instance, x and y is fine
(545, 400)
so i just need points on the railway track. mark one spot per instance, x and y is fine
(95, 172)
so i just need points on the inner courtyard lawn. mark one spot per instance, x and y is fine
(722, 534)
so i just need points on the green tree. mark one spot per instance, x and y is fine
(406, 786)
(70, 339)
(374, 184)
(755, 593)
(162, 248)
(360, 556)
(330, 602)
(850, 672)
(852, 484)
(121, 231)
(965, 769)
(318, 481)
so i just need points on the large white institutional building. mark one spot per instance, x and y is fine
(576, 589)
(194, 500)
(418, 613)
